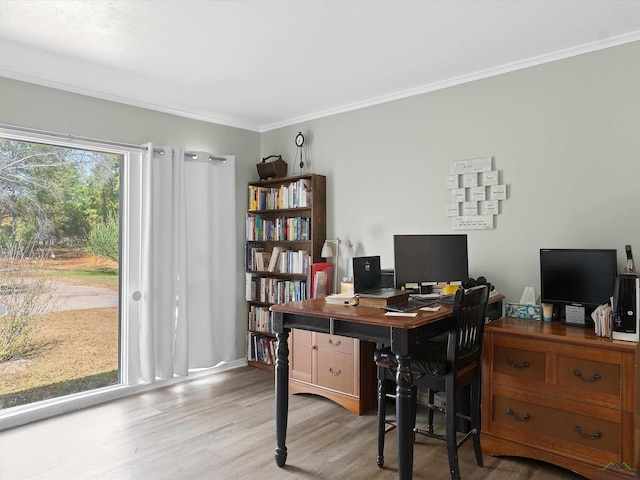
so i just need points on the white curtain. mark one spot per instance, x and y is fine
(211, 243)
(182, 295)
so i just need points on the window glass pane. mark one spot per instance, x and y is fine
(59, 270)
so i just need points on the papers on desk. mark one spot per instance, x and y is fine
(400, 314)
(345, 298)
(433, 308)
(426, 296)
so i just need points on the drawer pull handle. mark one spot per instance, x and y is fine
(596, 434)
(595, 378)
(515, 365)
(523, 418)
(336, 373)
(337, 344)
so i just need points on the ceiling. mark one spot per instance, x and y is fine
(263, 64)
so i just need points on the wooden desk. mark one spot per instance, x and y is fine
(368, 324)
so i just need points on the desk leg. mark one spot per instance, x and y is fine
(282, 396)
(404, 413)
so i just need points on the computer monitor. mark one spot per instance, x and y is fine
(430, 258)
(578, 277)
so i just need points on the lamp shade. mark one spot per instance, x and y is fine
(327, 251)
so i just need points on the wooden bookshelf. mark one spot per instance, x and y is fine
(286, 219)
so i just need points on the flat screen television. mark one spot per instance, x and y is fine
(430, 258)
(577, 277)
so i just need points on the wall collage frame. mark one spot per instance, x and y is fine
(475, 194)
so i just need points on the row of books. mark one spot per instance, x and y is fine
(279, 260)
(277, 229)
(261, 348)
(289, 261)
(260, 319)
(274, 290)
(294, 195)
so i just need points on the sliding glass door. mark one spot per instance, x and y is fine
(60, 247)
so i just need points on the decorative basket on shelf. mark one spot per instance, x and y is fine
(272, 169)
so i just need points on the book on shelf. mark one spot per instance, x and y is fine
(251, 287)
(261, 348)
(269, 350)
(277, 229)
(262, 261)
(296, 194)
(277, 290)
(288, 261)
(260, 319)
(378, 302)
(305, 192)
(250, 250)
(275, 259)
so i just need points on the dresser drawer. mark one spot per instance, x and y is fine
(589, 375)
(336, 371)
(335, 343)
(586, 433)
(560, 394)
(521, 363)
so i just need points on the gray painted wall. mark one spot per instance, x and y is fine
(565, 137)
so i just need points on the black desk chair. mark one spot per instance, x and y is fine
(447, 363)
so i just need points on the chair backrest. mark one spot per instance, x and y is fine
(469, 316)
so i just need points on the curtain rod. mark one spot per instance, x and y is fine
(66, 136)
(211, 158)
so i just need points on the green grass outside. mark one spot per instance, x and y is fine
(106, 273)
(96, 275)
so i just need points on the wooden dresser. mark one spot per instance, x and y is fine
(335, 367)
(561, 395)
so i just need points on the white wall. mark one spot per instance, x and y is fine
(565, 137)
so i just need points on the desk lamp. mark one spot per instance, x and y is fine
(327, 252)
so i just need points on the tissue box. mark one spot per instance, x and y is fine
(523, 310)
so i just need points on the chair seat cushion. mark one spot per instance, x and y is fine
(430, 357)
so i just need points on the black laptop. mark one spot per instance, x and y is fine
(367, 279)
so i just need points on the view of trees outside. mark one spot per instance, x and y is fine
(59, 275)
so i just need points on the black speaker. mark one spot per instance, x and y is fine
(626, 308)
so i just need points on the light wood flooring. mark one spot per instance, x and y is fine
(222, 427)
